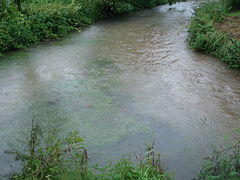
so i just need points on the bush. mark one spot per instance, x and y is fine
(204, 37)
(109, 8)
(40, 20)
(3, 9)
(15, 33)
(232, 54)
(221, 166)
(46, 19)
(233, 4)
(47, 159)
(66, 159)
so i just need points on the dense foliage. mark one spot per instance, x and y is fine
(40, 20)
(48, 157)
(222, 165)
(66, 159)
(31, 21)
(114, 7)
(204, 36)
(233, 4)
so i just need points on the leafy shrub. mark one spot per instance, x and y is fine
(233, 4)
(109, 8)
(232, 54)
(221, 166)
(114, 7)
(47, 159)
(41, 20)
(204, 37)
(15, 33)
(46, 19)
(3, 9)
(56, 159)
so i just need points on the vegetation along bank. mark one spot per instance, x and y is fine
(25, 22)
(215, 29)
(51, 158)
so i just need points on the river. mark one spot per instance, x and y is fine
(123, 83)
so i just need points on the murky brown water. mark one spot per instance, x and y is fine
(124, 83)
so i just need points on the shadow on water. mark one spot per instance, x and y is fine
(123, 83)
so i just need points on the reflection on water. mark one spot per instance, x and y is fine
(123, 83)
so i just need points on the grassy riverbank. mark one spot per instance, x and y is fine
(51, 158)
(32, 21)
(215, 30)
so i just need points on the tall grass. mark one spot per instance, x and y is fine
(47, 157)
(232, 4)
(222, 165)
(203, 35)
(53, 158)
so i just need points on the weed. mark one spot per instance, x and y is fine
(222, 165)
(203, 35)
(66, 159)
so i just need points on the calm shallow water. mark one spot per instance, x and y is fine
(123, 83)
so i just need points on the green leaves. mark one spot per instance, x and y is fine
(51, 158)
(41, 20)
(204, 36)
(110, 8)
(232, 4)
(49, 19)
(222, 165)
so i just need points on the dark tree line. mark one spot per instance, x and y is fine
(4, 4)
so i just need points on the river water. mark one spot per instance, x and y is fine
(123, 83)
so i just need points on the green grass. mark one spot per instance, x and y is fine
(204, 37)
(47, 157)
(223, 165)
(232, 5)
(53, 158)
(236, 13)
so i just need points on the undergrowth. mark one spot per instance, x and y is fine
(23, 24)
(223, 165)
(52, 158)
(203, 35)
(46, 157)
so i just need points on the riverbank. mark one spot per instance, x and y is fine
(33, 21)
(67, 159)
(215, 30)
